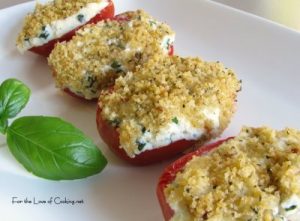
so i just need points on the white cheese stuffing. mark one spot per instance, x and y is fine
(166, 42)
(290, 206)
(60, 27)
(250, 188)
(176, 130)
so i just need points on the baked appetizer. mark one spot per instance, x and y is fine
(254, 176)
(166, 106)
(100, 53)
(58, 20)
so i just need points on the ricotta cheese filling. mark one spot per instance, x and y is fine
(290, 206)
(93, 92)
(178, 129)
(167, 40)
(277, 200)
(60, 27)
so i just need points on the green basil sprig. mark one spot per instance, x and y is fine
(53, 149)
(48, 146)
(14, 95)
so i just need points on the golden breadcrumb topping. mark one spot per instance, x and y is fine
(43, 15)
(254, 176)
(100, 53)
(164, 91)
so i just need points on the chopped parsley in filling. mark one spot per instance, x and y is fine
(169, 99)
(56, 18)
(254, 176)
(106, 51)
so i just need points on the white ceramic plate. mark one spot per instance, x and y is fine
(265, 56)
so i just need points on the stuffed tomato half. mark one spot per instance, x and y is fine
(165, 106)
(57, 21)
(102, 52)
(253, 176)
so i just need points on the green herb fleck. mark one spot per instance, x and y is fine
(90, 80)
(107, 25)
(80, 18)
(143, 130)
(291, 208)
(45, 34)
(152, 23)
(140, 145)
(121, 45)
(138, 56)
(117, 66)
(115, 122)
(122, 28)
(255, 210)
(175, 120)
(168, 44)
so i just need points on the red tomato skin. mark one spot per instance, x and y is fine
(171, 171)
(72, 94)
(120, 17)
(45, 50)
(110, 136)
(171, 51)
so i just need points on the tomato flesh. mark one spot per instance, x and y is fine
(45, 50)
(110, 136)
(171, 171)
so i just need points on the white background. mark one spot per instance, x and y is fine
(265, 56)
(285, 12)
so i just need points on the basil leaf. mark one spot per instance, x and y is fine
(53, 149)
(14, 95)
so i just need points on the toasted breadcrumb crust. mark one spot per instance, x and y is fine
(47, 13)
(100, 53)
(166, 89)
(246, 178)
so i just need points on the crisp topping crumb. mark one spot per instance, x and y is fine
(254, 176)
(166, 90)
